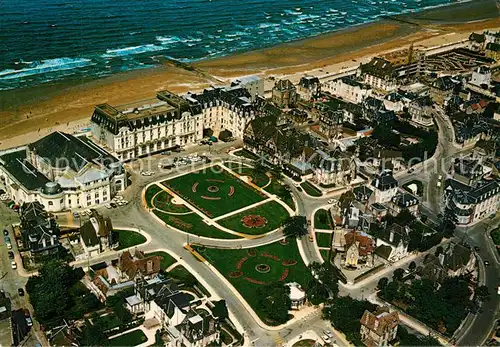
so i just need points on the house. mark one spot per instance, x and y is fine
(359, 248)
(392, 243)
(384, 187)
(379, 328)
(481, 77)
(362, 193)
(138, 265)
(105, 280)
(456, 260)
(195, 331)
(39, 230)
(379, 74)
(61, 171)
(493, 50)
(309, 87)
(421, 111)
(385, 159)
(332, 168)
(330, 124)
(477, 41)
(96, 235)
(348, 88)
(404, 202)
(442, 89)
(253, 84)
(284, 94)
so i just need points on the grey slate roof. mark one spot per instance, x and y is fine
(16, 164)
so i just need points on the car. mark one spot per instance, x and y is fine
(13, 265)
(11, 254)
(146, 173)
(9, 245)
(76, 215)
(486, 263)
(331, 201)
(299, 189)
(113, 205)
(440, 177)
(5, 232)
(27, 316)
(6, 239)
(310, 238)
(2, 192)
(166, 153)
(20, 291)
(328, 333)
(438, 184)
(326, 339)
(410, 170)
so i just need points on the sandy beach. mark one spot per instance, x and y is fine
(28, 114)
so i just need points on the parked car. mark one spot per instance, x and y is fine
(486, 263)
(13, 265)
(27, 316)
(328, 333)
(166, 153)
(113, 205)
(11, 255)
(20, 291)
(76, 214)
(5, 232)
(331, 201)
(9, 245)
(6, 239)
(326, 339)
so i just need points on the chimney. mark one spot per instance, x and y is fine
(149, 266)
(391, 236)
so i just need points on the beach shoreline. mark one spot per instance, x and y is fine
(27, 114)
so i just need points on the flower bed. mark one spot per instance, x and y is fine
(253, 221)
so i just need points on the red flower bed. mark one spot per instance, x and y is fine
(284, 275)
(210, 198)
(251, 280)
(252, 252)
(289, 262)
(253, 221)
(240, 262)
(270, 256)
(193, 188)
(231, 191)
(235, 274)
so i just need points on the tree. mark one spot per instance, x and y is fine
(275, 302)
(382, 283)
(412, 266)
(316, 292)
(448, 222)
(326, 275)
(398, 274)
(404, 218)
(345, 314)
(439, 250)
(92, 335)
(295, 226)
(385, 136)
(482, 293)
(158, 339)
(220, 309)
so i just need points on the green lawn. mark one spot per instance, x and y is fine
(128, 238)
(163, 201)
(214, 191)
(495, 235)
(166, 261)
(310, 189)
(182, 275)
(132, 338)
(193, 224)
(280, 190)
(323, 219)
(273, 212)
(304, 343)
(150, 192)
(324, 254)
(232, 263)
(323, 239)
(246, 154)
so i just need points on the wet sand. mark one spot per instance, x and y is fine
(66, 106)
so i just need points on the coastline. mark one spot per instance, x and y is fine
(57, 106)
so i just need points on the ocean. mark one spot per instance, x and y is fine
(43, 41)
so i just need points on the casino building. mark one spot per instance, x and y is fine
(62, 172)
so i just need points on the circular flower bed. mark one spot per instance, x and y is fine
(289, 262)
(253, 221)
(252, 252)
(235, 274)
(263, 268)
(213, 189)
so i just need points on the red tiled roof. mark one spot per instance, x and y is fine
(366, 244)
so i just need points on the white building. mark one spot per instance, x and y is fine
(348, 88)
(309, 87)
(297, 295)
(421, 110)
(481, 77)
(62, 172)
(380, 74)
(254, 85)
(384, 187)
(225, 109)
(136, 130)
